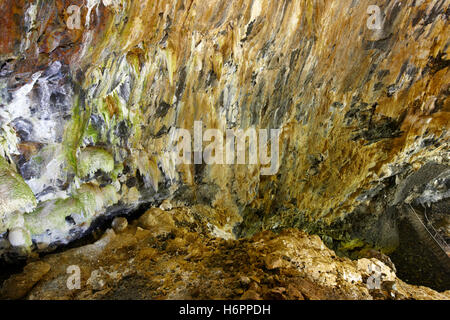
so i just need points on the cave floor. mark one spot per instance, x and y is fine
(170, 255)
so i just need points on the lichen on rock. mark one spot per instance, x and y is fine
(15, 194)
(92, 159)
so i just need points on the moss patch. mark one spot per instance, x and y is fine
(88, 201)
(52, 215)
(15, 194)
(92, 159)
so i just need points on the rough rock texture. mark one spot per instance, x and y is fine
(86, 115)
(19, 285)
(179, 260)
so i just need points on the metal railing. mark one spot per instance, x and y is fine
(434, 234)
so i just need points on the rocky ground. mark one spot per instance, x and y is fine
(173, 255)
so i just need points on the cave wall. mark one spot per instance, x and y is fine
(87, 114)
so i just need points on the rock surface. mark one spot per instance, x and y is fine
(87, 115)
(19, 285)
(188, 264)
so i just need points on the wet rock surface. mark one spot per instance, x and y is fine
(185, 263)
